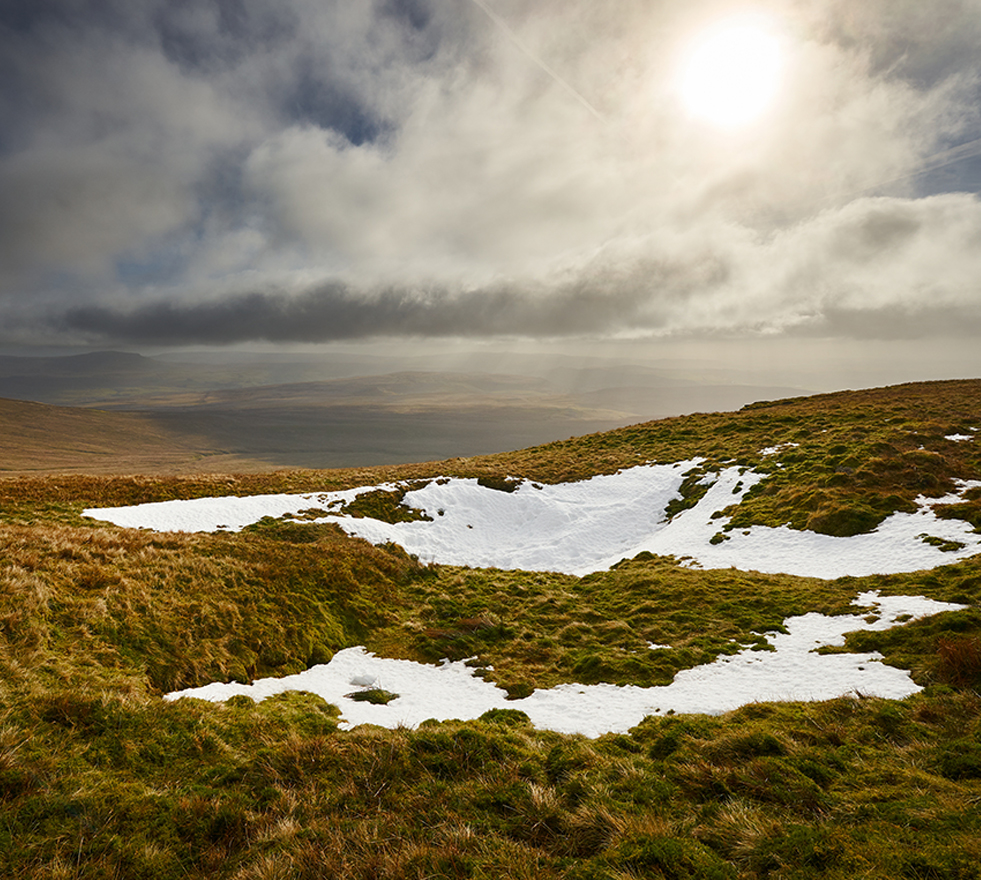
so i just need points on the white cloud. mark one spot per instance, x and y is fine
(422, 144)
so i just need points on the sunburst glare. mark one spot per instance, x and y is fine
(731, 73)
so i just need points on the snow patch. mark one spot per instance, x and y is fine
(793, 671)
(773, 450)
(588, 526)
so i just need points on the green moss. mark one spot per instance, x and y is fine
(673, 857)
(387, 505)
(960, 759)
(693, 489)
(376, 696)
(942, 545)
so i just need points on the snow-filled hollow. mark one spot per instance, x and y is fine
(792, 671)
(587, 526)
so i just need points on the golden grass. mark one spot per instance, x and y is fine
(38, 438)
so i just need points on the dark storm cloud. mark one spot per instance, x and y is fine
(336, 312)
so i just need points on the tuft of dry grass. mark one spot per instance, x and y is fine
(960, 659)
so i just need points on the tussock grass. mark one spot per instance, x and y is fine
(188, 789)
(184, 609)
(99, 777)
(542, 629)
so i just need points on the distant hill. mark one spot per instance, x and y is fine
(365, 421)
(38, 438)
(335, 410)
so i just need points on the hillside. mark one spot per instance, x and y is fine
(101, 776)
(38, 438)
(336, 410)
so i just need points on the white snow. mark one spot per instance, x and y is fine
(792, 672)
(590, 525)
(231, 513)
(773, 450)
(959, 438)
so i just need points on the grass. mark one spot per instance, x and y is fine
(542, 629)
(99, 777)
(98, 786)
(857, 457)
(376, 696)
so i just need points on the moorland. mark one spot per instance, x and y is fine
(102, 777)
(192, 413)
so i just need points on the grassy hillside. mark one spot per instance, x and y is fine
(336, 410)
(99, 777)
(38, 438)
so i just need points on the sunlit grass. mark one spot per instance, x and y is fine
(99, 777)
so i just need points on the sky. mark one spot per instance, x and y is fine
(315, 171)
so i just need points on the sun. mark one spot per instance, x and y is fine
(731, 73)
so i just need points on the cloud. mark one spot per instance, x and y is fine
(879, 268)
(335, 312)
(324, 170)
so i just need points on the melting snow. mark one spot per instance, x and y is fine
(588, 526)
(584, 527)
(791, 672)
(773, 450)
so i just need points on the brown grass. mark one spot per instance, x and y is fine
(38, 438)
(101, 778)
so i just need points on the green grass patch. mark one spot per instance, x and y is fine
(387, 505)
(375, 696)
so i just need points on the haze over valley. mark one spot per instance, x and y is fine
(224, 411)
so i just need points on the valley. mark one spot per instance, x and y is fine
(254, 412)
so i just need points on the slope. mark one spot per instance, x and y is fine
(38, 438)
(101, 777)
